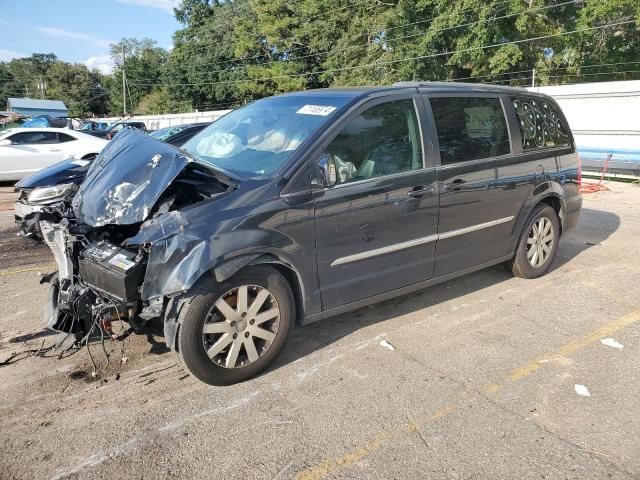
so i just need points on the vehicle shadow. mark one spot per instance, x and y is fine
(594, 227)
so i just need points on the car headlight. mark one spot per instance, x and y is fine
(51, 194)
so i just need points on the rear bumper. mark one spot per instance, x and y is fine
(573, 209)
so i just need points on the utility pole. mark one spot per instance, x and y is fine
(41, 86)
(124, 83)
(533, 78)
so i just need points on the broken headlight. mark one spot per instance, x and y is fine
(45, 195)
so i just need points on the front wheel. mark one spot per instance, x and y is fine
(230, 331)
(538, 245)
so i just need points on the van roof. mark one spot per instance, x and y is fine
(439, 87)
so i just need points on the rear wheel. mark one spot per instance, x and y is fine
(538, 245)
(232, 330)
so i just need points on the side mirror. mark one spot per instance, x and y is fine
(327, 171)
(4, 143)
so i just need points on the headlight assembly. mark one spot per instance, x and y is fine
(44, 195)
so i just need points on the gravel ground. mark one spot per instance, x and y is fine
(474, 378)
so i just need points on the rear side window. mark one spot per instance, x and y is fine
(64, 138)
(470, 128)
(541, 126)
(34, 138)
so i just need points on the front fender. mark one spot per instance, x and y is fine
(180, 252)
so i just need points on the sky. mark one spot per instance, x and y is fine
(80, 31)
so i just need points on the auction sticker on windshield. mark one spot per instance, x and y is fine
(321, 110)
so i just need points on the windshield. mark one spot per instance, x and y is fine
(166, 132)
(256, 140)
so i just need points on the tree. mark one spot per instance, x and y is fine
(143, 65)
(80, 89)
(160, 101)
(202, 67)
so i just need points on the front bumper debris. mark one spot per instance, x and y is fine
(22, 209)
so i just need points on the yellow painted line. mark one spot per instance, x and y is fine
(329, 467)
(572, 347)
(24, 270)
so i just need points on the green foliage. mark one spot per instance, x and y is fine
(79, 88)
(160, 101)
(237, 50)
(44, 76)
(144, 64)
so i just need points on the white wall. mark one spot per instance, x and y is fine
(155, 122)
(602, 115)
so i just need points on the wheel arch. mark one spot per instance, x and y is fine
(231, 267)
(226, 270)
(549, 196)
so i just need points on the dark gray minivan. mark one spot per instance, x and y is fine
(302, 206)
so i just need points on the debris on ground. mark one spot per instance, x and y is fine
(582, 390)
(610, 342)
(386, 344)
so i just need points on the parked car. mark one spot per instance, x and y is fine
(306, 205)
(177, 135)
(54, 183)
(91, 126)
(110, 132)
(24, 151)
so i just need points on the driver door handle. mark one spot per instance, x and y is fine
(54, 150)
(420, 191)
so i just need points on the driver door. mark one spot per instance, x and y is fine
(376, 228)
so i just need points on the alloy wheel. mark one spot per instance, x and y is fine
(540, 242)
(241, 326)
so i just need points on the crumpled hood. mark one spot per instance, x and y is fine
(127, 179)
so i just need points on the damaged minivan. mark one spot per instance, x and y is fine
(298, 207)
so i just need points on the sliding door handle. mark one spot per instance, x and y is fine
(454, 186)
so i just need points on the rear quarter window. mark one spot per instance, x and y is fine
(64, 138)
(541, 125)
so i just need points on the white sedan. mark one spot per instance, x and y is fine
(27, 150)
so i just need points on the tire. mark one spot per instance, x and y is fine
(527, 262)
(224, 355)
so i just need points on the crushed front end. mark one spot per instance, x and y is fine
(102, 267)
(96, 281)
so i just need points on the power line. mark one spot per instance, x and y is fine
(386, 41)
(289, 51)
(595, 65)
(389, 40)
(594, 74)
(419, 57)
(302, 47)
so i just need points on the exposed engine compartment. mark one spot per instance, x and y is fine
(100, 269)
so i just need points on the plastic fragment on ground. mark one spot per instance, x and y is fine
(610, 342)
(386, 344)
(582, 390)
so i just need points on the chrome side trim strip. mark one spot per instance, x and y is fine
(418, 241)
(474, 228)
(384, 250)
